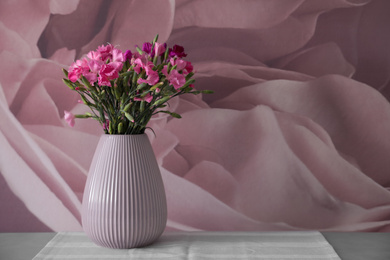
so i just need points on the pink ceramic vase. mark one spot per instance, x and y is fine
(124, 203)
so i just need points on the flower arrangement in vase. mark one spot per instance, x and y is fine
(125, 89)
(124, 201)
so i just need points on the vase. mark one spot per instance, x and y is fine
(124, 203)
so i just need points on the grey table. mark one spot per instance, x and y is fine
(349, 246)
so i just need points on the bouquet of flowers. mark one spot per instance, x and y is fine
(125, 89)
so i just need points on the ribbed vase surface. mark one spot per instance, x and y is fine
(124, 203)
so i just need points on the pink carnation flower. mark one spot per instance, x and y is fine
(176, 79)
(180, 64)
(159, 49)
(117, 56)
(77, 69)
(91, 77)
(109, 72)
(152, 78)
(94, 55)
(141, 62)
(94, 68)
(165, 71)
(69, 118)
(105, 51)
(95, 65)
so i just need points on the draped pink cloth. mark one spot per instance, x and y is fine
(294, 137)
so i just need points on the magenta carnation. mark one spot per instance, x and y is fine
(177, 51)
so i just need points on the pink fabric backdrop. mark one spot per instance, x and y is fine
(296, 135)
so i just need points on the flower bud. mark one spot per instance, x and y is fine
(127, 107)
(117, 92)
(65, 72)
(128, 116)
(191, 81)
(68, 83)
(85, 82)
(159, 84)
(155, 39)
(139, 50)
(120, 128)
(161, 101)
(85, 101)
(166, 54)
(189, 75)
(140, 86)
(142, 106)
(86, 115)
